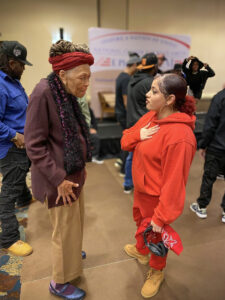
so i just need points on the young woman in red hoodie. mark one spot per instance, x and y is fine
(164, 145)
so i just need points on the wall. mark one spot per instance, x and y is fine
(203, 20)
(32, 22)
(113, 14)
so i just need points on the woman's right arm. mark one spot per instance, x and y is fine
(132, 136)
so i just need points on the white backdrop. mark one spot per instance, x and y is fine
(110, 49)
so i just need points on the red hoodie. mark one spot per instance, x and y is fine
(161, 164)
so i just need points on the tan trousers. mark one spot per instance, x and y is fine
(67, 236)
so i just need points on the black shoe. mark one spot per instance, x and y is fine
(128, 189)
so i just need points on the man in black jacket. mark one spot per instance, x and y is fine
(196, 77)
(161, 58)
(121, 88)
(212, 148)
(121, 100)
(138, 86)
(95, 140)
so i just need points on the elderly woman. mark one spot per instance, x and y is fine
(57, 143)
(164, 146)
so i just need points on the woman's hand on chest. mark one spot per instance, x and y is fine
(147, 133)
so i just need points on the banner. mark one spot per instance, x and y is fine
(110, 49)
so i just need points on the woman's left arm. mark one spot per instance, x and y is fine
(210, 72)
(176, 162)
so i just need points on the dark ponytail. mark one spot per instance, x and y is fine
(176, 85)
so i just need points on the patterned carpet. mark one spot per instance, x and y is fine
(10, 265)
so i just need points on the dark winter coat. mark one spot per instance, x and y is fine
(213, 136)
(197, 81)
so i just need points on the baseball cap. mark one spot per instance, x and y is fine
(134, 58)
(16, 51)
(148, 61)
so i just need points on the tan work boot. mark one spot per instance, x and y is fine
(131, 250)
(20, 248)
(152, 283)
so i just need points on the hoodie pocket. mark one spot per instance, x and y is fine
(139, 182)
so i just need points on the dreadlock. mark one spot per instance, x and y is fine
(62, 47)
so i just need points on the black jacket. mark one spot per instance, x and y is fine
(138, 86)
(197, 81)
(213, 136)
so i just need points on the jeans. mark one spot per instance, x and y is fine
(213, 164)
(128, 181)
(14, 167)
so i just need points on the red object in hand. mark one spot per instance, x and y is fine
(169, 236)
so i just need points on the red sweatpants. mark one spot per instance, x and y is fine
(143, 207)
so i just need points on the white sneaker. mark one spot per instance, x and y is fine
(223, 217)
(97, 161)
(200, 212)
(121, 174)
(118, 163)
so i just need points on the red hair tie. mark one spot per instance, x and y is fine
(70, 60)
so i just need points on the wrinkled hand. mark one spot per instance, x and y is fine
(19, 140)
(202, 153)
(147, 133)
(65, 190)
(156, 228)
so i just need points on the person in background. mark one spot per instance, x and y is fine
(161, 59)
(121, 88)
(212, 149)
(93, 127)
(163, 146)
(14, 163)
(58, 148)
(177, 69)
(196, 76)
(136, 106)
(121, 100)
(95, 141)
(85, 109)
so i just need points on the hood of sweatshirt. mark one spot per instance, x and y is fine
(137, 77)
(178, 117)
